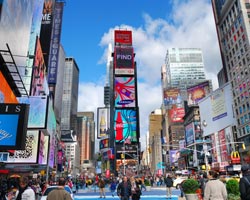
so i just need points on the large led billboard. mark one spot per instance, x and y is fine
(124, 60)
(125, 125)
(43, 149)
(30, 153)
(123, 37)
(176, 114)
(125, 92)
(46, 28)
(13, 125)
(102, 122)
(38, 74)
(197, 92)
(6, 94)
(172, 96)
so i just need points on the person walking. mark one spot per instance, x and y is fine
(124, 189)
(101, 185)
(59, 193)
(24, 191)
(169, 184)
(113, 187)
(214, 188)
(244, 183)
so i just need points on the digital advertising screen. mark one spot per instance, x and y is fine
(172, 96)
(13, 125)
(6, 94)
(102, 122)
(43, 149)
(38, 112)
(123, 37)
(125, 125)
(197, 92)
(124, 60)
(104, 143)
(176, 114)
(125, 95)
(189, 134)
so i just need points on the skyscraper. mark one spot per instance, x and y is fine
(184, 67)
(233, 29)
(69, 99)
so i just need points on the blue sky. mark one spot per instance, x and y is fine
(88, 27)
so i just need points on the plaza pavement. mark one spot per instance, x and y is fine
(155, 193)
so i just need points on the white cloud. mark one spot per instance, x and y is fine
(191, 24)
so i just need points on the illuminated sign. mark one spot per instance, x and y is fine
(102, 122)
(123, 37)
(124, 60)
(13, 125)
(125, 125)
(125, 92)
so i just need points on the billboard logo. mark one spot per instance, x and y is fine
(124, 57)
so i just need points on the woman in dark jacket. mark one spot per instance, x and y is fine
(169, 184)
(245, 183)
(124, 189)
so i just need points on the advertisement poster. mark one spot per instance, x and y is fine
(125, 92)
(219, 109)
(125, 125)
(102, 122)
(124, 60)
(176, 114)
(29, 155)
(172, 96)
(189, 133)
(223, 146)
(197, 92)
(6, 94)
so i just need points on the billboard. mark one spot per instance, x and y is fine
(102, 122)
(46, 28)
(103, 143)
(174, 156)
(55, 42)
(125, 125)
(38, 74)
(189, 134)
(125, 92)
(43, 149)
(197, 92)
(124, 60)
(6, 94)
(38, 112)
(30, 153)
(172, 96)
(217, 111)
(176, 114)
(13, 125)
(123, 37)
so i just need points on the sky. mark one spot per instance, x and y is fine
(156, 25)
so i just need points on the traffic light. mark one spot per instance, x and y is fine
(243, 146)
(122, 156)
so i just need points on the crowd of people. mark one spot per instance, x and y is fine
(211, 186)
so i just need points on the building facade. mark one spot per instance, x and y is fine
(233, 29)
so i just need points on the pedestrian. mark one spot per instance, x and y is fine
(59, 193)
(124, 189)
(135, 189)
(143, 183)
(169, 184)
(202, 182)
(214, 188)
(24, 191)
(113, 187)
(245, 183)
(101, 185)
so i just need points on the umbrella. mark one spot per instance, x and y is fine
(15, 176)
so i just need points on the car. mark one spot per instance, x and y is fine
(50, 188)
(178, 181)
